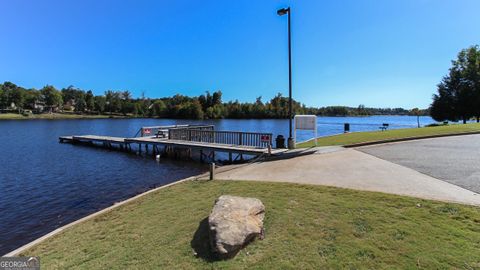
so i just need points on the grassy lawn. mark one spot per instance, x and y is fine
(307, 227)
(359, 137)
(16, 116)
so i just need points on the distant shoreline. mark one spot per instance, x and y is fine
(61, 116)
(66, 116)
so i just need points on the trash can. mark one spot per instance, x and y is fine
(280, 141)
(346, 128)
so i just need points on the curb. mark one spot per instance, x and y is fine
(19, 250)
(410, 139)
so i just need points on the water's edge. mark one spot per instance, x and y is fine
(23, 248)
(47, 185)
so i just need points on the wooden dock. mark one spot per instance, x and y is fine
(205, 141)
(105, 141)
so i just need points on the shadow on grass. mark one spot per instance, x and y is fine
(201, 242)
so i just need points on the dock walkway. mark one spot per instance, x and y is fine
(125, 143)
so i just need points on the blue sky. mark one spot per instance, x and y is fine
(380, 53)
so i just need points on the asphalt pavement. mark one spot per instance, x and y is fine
(453, 159)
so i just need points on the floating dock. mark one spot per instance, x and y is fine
(182, 140)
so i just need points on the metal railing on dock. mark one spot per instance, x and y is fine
(154, 130)
(206, 135)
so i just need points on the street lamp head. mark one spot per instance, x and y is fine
(283, 11)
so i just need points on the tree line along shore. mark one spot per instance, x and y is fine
(72, 102)
(458, 99)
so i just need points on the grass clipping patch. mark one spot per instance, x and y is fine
(307, 227)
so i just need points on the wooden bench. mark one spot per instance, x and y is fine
(384, 126)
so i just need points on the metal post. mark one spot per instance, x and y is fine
(289, 78)
(281, 12)
(212, 170)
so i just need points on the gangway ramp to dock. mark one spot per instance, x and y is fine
(205, 146)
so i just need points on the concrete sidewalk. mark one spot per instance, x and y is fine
(348, 168)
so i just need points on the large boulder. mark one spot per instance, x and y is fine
(233, 223)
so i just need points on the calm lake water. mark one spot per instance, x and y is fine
(45, 184)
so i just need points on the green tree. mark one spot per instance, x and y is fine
(216, 98)
(458, 96)
(472, 74)
(361, 110)
(195, 110)
(126, 95)
(51, 96)
(159, 109)
(258, 108)
(70, 94)
(100, 102)
(127, 107)
(2, 94)
(416, 112)
(113, 101)
(203, 101)
(209, 99)
(31, 96)
(442, 107)
(191, 110)
(18, 97)
(145, 104)
(90, 101)
(215, 112)
(139, 108)
(80, 104)
(11, 93)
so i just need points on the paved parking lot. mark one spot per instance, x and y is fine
(452, 159)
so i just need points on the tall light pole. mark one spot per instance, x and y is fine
(281, 12)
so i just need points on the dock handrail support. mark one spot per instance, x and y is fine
(206, 134)
(185, 133)
(152, 130)
(136, 134)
